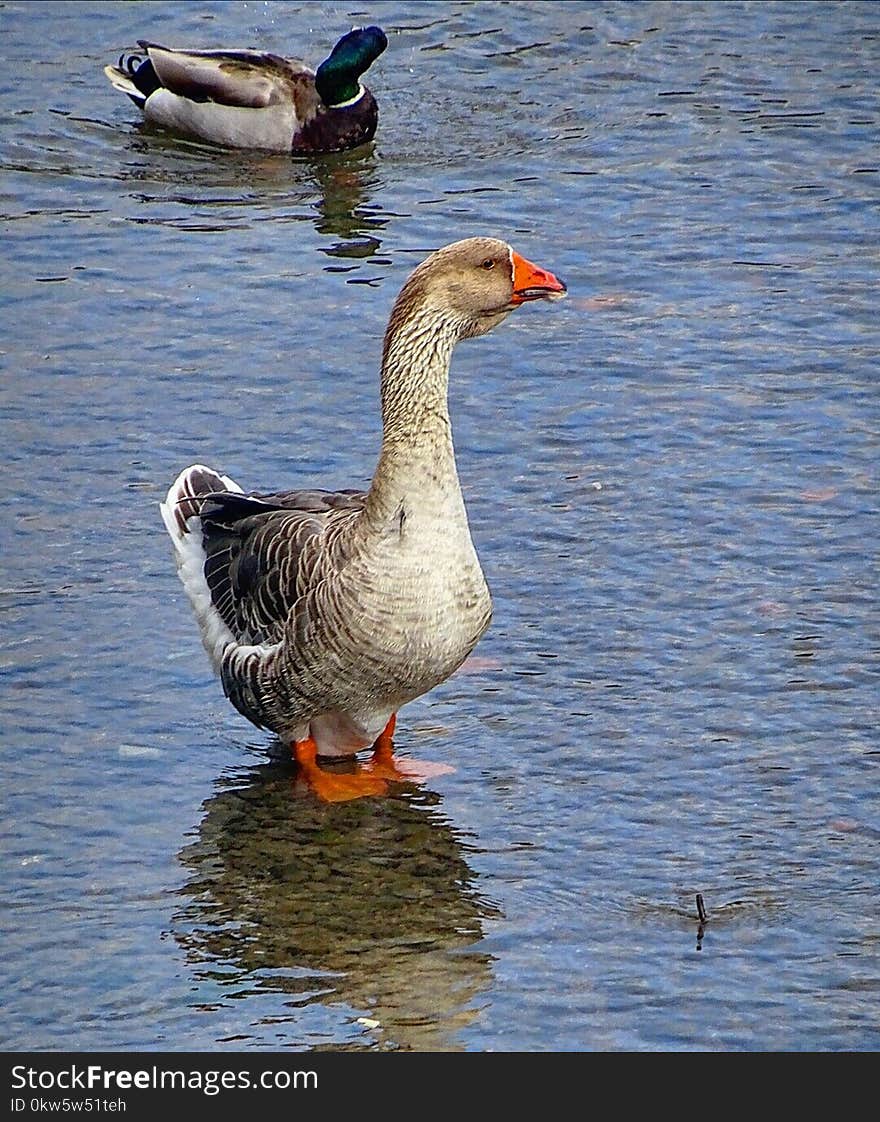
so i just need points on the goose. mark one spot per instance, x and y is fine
(324, 612)
(253, 99)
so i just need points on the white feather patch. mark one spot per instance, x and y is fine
(121, 81)
(190, 556)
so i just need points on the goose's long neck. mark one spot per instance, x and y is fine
(416, 468)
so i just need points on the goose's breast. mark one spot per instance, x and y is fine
(422, 608)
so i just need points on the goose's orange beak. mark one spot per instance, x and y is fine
(532, 283)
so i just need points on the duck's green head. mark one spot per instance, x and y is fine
(336, 79)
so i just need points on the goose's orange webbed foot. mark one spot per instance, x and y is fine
(331, 786)
(384, 764)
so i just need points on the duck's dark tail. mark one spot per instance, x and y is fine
(134, 76)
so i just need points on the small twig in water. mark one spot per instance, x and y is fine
(703, 918)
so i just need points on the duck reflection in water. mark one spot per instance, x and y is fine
(334, 191)
(370, 904)
(347, 181)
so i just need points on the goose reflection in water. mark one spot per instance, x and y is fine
(370, 903)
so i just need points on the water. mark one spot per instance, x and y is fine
(672, 483)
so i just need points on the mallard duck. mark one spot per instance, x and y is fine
(251, 99)
(323, 612)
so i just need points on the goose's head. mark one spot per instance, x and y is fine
(473, 284)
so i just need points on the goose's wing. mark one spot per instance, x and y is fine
(262, 552)
(245, 79)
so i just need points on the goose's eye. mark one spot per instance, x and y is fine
(489, 263)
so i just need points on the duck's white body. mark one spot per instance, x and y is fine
(231, 126)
